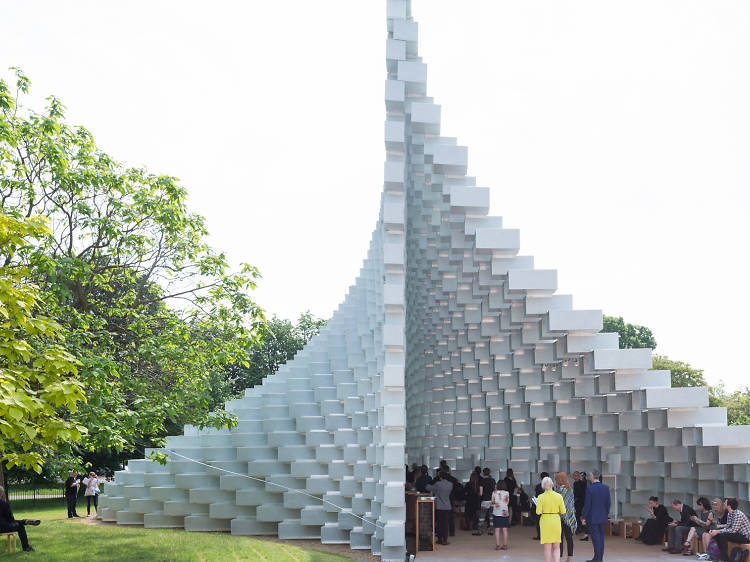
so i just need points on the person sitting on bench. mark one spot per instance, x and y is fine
(737, 529)
(8, 524)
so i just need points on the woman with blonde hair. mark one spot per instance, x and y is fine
(568, 522)
(549, 507)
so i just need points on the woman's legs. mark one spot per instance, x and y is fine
(689, 538)
(505, 536)
(497, 536)
(706, 538)
(548, 551)
(88, 505)
(96, 503)
(567, 533)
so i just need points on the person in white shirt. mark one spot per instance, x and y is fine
(500, 514)
(92, 491)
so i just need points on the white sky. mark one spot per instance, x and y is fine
(614, 134)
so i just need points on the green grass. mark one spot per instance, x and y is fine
(61, 539)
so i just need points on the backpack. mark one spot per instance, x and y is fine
(713, 550)
(738, 554)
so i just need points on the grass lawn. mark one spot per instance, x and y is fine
(60, 539)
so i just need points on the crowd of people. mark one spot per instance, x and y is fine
(560, 510)
(498, 504)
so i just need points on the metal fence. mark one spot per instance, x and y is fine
(31, 492)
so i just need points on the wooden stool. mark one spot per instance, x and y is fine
(697, 545)
(11, 538)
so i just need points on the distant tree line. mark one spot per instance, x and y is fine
(737, 402)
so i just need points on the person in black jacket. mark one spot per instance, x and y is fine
(579, 496)
(486, 487)
(653, 530)
(678, 530)
(423, 480)
(71, 493)
(456, 487)
(510, 486)
(473, 500)
(9, 524)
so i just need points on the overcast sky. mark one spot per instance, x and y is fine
(615, 135)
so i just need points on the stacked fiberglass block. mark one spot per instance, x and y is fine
(450, 345)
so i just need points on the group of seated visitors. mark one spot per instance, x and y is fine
(718, 520)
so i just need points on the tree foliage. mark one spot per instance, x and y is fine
(38, 377)
(281, 341)
(736, 402)
(631, 335)
(682, 373)
(150, 310)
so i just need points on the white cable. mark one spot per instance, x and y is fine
(340, 508)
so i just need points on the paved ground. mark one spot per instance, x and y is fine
(465, 546)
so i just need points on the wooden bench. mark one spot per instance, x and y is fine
(11, 539)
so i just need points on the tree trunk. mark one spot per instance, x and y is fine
(2, 480)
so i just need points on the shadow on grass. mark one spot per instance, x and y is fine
(60, 539)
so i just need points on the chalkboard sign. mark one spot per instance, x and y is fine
(426, 525)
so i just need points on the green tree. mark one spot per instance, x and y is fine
(37, 375)
(737, 403)
(281, 341)
(631, 335)
(151, 311)
(682, 373)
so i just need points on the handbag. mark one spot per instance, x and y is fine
(738, 554)
(486, 504)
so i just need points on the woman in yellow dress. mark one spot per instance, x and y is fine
(549, 507)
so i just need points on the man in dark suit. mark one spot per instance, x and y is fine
(678, 530)
(71, 493)
(596, 512)
(9, 524)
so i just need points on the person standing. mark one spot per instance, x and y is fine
(423, 480)
(486, 487)
(501, 514)
(579, 495)
(442, 489)
(454, 493)
(737, 529)
(538, 491)
(656, 524)
(71, 493)
(92, 492)
(549, 507)
(473, 501)
(596, 513)
(569, 521)
(9, 524)
(510, 487)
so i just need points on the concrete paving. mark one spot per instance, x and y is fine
(465, 546)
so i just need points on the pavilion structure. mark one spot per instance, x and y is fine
(449, 345)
